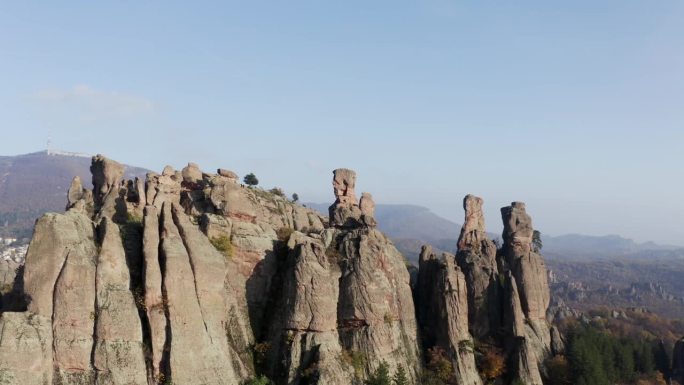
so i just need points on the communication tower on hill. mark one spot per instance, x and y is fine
(49, 141)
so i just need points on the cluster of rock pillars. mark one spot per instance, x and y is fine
(192, 278)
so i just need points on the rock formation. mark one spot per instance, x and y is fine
(304, 324)
(107, 180)
(342, 302)
(77, 194)
(527, 279)
(442, 302)
(191, 278)
(507, 290)
(11, 286)
(378, 319)
(476, 257)
(346, 212)
(524, 360)
(367, 206)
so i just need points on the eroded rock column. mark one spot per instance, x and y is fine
(442, 301)
(476, 256)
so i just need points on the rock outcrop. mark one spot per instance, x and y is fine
(304, 324)
(191, 278)
(529, 293)
(342, 302)
(117, 356)
(25, 356)
(476, 257)
(347, 212)
(442, 302)
(527, 266)
(378, 319)
(11, 286)
(524, 359)
(107, 181)
(507, 290)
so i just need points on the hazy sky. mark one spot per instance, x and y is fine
(576, 108)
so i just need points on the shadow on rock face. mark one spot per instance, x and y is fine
(259, 286)
(15, 300)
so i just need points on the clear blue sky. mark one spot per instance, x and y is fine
(575, 107)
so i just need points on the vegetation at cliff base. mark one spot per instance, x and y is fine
(598, 357)
(381, 376)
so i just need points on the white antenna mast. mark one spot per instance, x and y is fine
(49, 141)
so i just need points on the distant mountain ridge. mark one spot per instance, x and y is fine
(411, 226)
(32, 184)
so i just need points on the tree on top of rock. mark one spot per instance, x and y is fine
(250, 179)
(537, 241)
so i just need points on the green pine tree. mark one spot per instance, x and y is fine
(400, 377)
(381, 375)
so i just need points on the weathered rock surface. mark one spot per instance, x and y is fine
(527, 266)
(303, 330)
(228, 174)
(107, 180)
(155, 305)
(75, 192)
(192, 173)
(442, 303)
(193, 307)
(524, 357)
(126, 285)
(8, 272)
(11, 286)
(367, 206)
(376, 314)
(59, 281)
(345, 212)
(25, 354)
(527, 272)
(192, 278)
(118, 353)
(342, 305)
(476, 256)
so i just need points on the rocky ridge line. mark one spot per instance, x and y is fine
(191, 278)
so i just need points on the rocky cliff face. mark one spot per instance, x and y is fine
(528, 272)
(527, 296)
(191, 278)
(476, 256)
(442, 300)
(508, 291)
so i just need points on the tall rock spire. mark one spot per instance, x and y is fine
(347, 212)
(476, 257)
(527, 266)
(442, 302)
(107, 179)
(528, 278)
